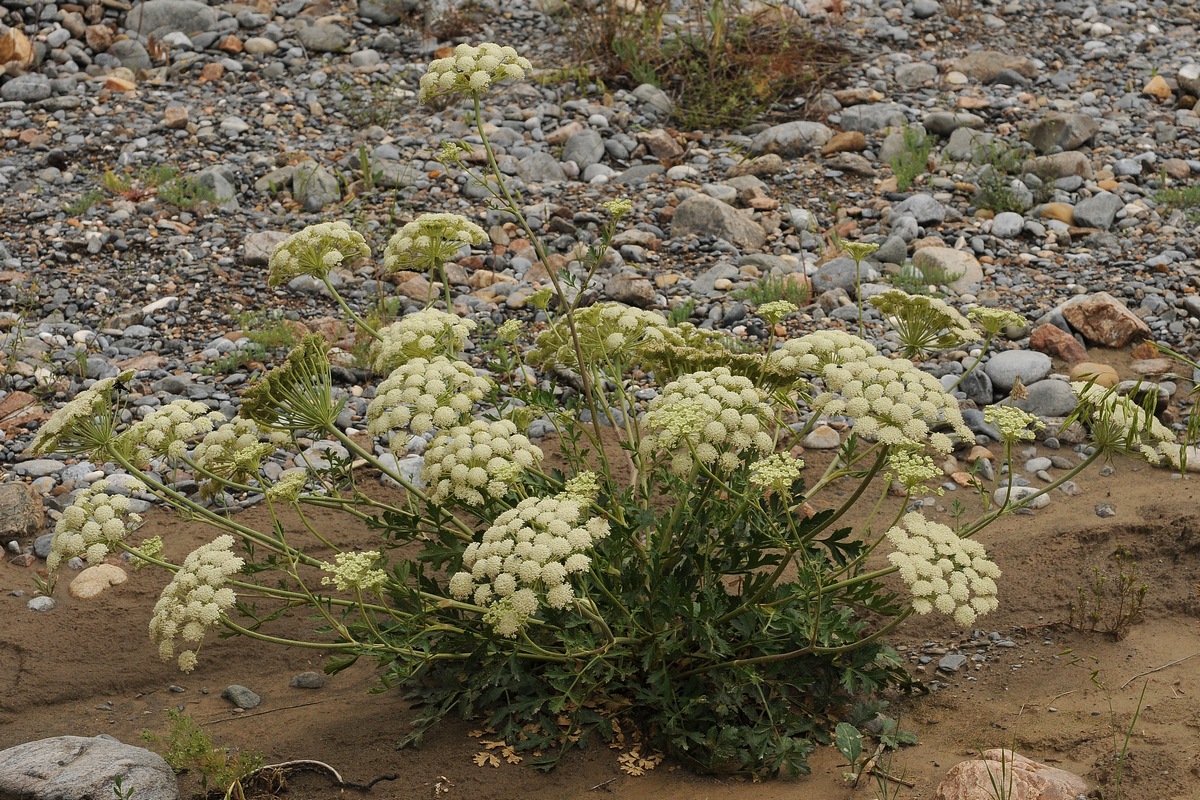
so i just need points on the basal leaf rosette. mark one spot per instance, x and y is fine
(316, 251)
(469, 462)
(943, 571)
(91, 527)
(1118, 424)
(195, 599)
(423, 394)
(525, 560)
(472, 71)
(423, 334)
(429, 241)
(707, 418)
(923, 323)
(86, 424)
(298, 394)
(891, 402)
(167, 431)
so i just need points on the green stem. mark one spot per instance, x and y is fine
(359, 321)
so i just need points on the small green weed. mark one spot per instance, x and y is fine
(913, 160)
(1186, 199)
(84, 202)
(269, 336)
(190, 748)
(380, 102)
(681, 312)
(773, 288)
(722, 66)
(998, 165)
(1110, 603)
(185, 193)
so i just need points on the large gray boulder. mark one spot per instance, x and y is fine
(83, 768)
(160, 17)
(790, 138)
(707, 216)
(1066, 131)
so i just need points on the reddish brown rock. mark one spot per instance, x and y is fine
(15, 48)
(661, 144)
(212, 71)
(1056, 342)
(1022, 779)
(1104, 320)
(230, 44)
(845, 142)
(175, 117)
(1099, 374)
(99, 37)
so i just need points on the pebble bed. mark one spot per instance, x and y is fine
(277, 110)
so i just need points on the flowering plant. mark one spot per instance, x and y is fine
(664, 558)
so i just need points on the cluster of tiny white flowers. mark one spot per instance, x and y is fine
(466, 461)
(607, 331)
(777, 471)
(288, 488)
(1119, 424)
(526, 557)
(1014, 424)
(776, 310)
(993, 321)
(912, 468)
(167, 430)
(355, 571)
(195, 599)
(429, 241)
(707, 417)
(317, 250)
(71, 429)
(423, 334)
(891, 402)
(423, 394)
(471, 71)
(236, 450)
(91, 526)
(924, 323)
(813, 351)
(943, 571)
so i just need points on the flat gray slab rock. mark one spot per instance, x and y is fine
(83, 768)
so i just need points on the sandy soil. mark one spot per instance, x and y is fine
(1059, 695)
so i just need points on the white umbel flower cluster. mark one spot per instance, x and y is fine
(526, 558)
(236, 451)
(195, 599)
(423, 334)
(79, 427)
(355, 572)
(608, 332)
(943, 571)
(166, 431)
(91, 526)
(316, 251)
(429, 241)
(468, 461)
(812, 352)
(891, 402)
(423, 394)
(707, 417)
(471, 71)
